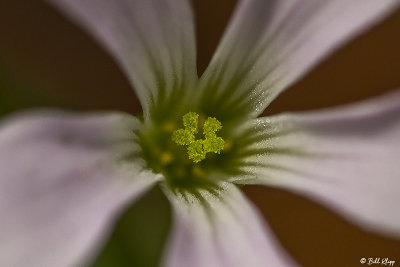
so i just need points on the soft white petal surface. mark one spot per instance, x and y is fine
(153, 40)
(270, 44)
(220, 229)
(62, 182)
(347, 159)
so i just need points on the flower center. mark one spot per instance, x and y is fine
(194, 149)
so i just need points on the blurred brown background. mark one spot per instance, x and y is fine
(47, 61)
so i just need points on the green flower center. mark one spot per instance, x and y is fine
(194, 154)
(195, 145)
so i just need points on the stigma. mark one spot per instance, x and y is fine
(197, 148)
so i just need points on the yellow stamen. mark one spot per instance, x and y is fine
(166, 158)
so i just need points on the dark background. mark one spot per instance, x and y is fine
(46, 61)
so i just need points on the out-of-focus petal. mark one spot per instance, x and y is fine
(153, 40)
(270, 44)
(347, 159)
(220, 228)
(63, 179)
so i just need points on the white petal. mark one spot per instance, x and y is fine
(347, 159)
(220, 229)
(270, 44)
(63, 179)
(153, 40)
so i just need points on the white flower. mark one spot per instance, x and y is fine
(64, 177)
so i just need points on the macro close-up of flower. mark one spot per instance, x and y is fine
(66, 177)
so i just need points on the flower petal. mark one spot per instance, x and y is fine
(63, 179)
(220, 228)
(347, 159)
(153, 40)
(270, 44)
